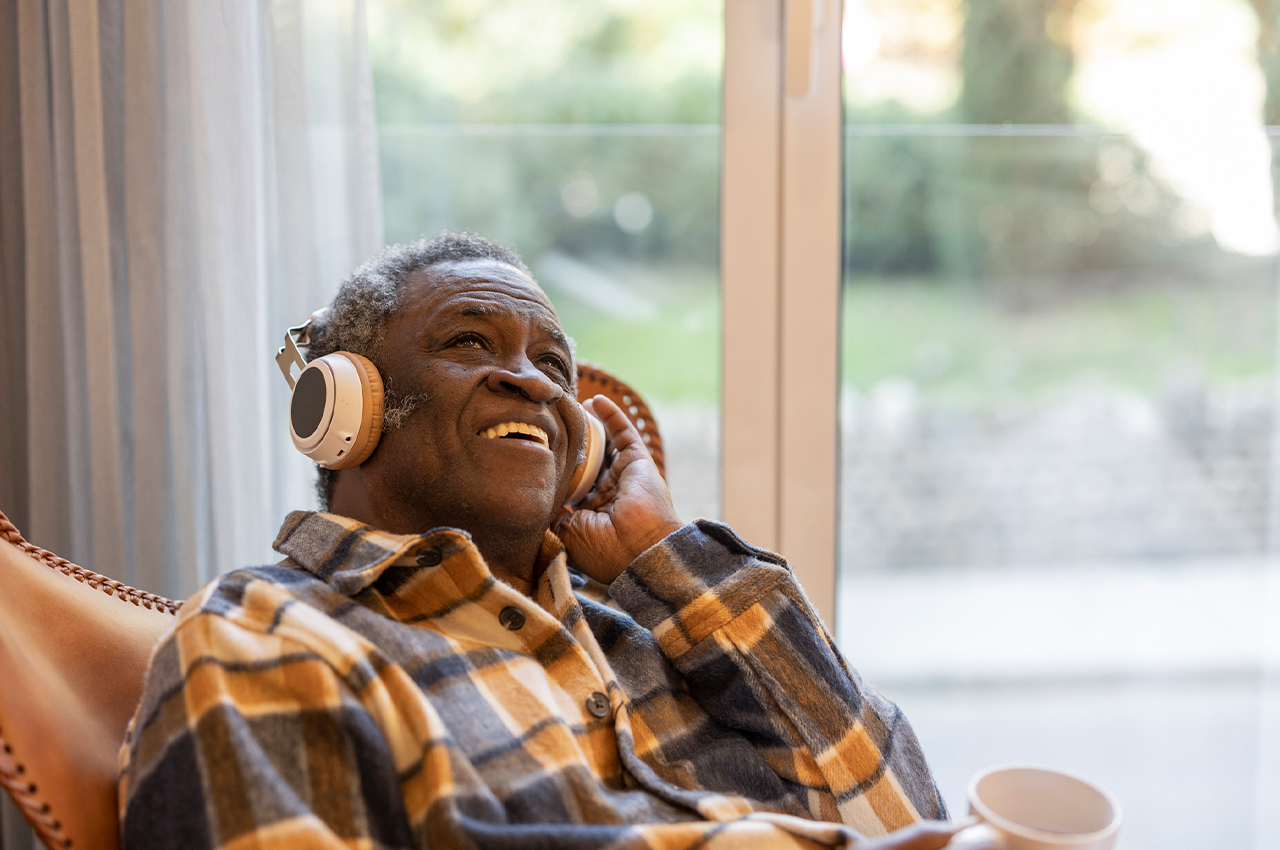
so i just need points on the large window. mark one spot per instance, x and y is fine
(1058, 395)
(586, 135)
(1051, 528)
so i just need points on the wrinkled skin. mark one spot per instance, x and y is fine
(480, 343)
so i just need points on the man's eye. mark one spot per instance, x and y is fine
(468, 341)
(556, 363)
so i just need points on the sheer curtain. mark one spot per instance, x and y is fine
(180, 180)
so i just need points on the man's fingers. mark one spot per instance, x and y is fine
(980, 837)
(617, 425)
(622, 436)
(926, 835)
(572, 527)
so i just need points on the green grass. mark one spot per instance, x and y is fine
(959, 344)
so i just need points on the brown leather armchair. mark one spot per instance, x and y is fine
(74, 647)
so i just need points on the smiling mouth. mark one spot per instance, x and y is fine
(517, 431)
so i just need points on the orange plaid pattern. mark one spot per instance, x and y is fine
(377, 690)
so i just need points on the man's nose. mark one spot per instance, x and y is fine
(525, 379)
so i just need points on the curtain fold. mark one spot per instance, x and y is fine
(181, 180)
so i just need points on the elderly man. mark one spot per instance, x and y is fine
(449, 658)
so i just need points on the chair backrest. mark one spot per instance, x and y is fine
(74, 647)
(73, 650)
(592, 380)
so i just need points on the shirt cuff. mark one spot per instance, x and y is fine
(703, 573)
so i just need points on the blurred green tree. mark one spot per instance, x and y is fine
(531, 121)
(1014, 71)
(988, 196)
(452, 77)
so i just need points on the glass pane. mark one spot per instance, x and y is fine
(1058, 510)
(587, 136)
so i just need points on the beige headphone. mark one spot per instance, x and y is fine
(335, 412)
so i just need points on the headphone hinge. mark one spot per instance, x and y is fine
(289, 355)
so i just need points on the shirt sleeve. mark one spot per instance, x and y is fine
(244, 738)
(756, 656)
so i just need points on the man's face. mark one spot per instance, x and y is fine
(481, 343)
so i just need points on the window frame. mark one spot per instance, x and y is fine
(781, 215)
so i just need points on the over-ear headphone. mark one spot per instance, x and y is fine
(586, 472)
(335, 411)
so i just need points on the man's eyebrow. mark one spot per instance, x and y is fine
(550, 330)
(558, 335)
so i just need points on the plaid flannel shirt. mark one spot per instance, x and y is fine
(376, 691)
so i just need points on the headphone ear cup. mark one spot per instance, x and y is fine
(366, 439)
(586, 473)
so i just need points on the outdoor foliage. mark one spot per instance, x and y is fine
(977, 204)
(652, 71)
(452, 78)
(535, 123)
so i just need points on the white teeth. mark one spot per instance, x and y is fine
(517, 428)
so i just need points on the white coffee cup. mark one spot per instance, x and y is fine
(1027, 807)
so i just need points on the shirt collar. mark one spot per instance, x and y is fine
(350, 556)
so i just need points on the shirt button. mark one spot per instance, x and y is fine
(512, 618)
(598, 705)
(428, 557)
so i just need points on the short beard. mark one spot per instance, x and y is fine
(396, 408)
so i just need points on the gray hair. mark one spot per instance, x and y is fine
(370, 297)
